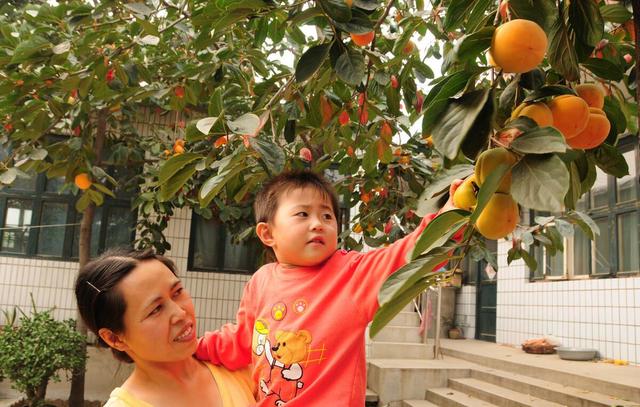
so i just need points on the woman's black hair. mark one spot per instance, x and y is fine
(100, 302)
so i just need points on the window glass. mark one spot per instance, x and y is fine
(601, 255)
(538, 253)
(627, 186)
(554, 265)
(239, 257)
(628, 245)
(581, 244)
(51, 239)
(207, 238)
(23, 184)
(119, 228)
(15, 238)
(598, 194)
(54, 184)
(95, 233)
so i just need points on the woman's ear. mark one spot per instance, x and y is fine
(112, 339)
(263, 230)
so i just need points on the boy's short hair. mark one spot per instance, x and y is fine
(266, 202)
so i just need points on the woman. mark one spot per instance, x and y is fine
(135, 304)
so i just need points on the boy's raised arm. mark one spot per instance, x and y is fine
(230, 345)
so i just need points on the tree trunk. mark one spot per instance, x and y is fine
(635, 5)
(76, 394)
(35, 396)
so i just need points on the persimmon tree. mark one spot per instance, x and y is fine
(259, 86)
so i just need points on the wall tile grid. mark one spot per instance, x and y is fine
(603, 314)
(466, 310)
(216, 295)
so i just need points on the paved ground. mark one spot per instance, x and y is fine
(103, 374)
(628, 375)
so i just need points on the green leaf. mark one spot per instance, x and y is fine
(435, 102)
(603, 68)
(610, 160)
(104, 189)
(139, 8)
(350, 67)
(359, 23)
(390, 309)
(169, 188)
(549, 91)
(247, 124)
(543, 12)
(212, 187)
(439, 231)
(616, 118)
(311, 61)
(459, 118)
(33, 47)
(574, 192)
(83, 202)
(205, 125)
(588, 226)
(540, 140)
(615, 13)
(562, 52)
(474, 44)
(411, 273)
(531, 261)
(338, 10)
(586, 22)
(270, 153)
(456, 13)
(540, 182)
(174, 164)
(439, 185)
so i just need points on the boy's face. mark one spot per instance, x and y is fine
(304, 231)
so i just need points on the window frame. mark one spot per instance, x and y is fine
(610, 212)
(39, 197)
(221, 251)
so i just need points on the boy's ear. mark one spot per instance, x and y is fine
(263, 230)
(112, 339)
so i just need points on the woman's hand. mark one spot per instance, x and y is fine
(452, 190)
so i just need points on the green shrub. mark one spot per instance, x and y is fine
(34, 351)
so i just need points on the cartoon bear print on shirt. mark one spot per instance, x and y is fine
(284, 357)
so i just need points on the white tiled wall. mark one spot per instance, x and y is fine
(603, 314)
(466, 310)
(216, 296)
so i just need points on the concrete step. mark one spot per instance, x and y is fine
(392, 333)
(620, 382)
(500, 396)
(400, 350)
(406, 318)
(564, 395)
(418, 403)
(446, 397)
(371, 398)
(408, 379)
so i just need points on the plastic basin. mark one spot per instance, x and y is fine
(569, 353)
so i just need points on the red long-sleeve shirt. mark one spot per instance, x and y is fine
(303, 329)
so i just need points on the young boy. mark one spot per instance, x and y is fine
(302, 319)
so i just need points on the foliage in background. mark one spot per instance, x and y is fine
(36, 350)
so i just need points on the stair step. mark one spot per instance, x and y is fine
(500, 396)
(371, 396)
(446, 397)
(418, 403)
(548, 390)
(406, 318)
(399, 350)
(392, 333)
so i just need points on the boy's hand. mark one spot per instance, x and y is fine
(452, 190)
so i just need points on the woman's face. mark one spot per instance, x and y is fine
(159, 321)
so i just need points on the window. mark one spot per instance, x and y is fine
(212, 249)
(613, 204)
(38, 221)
